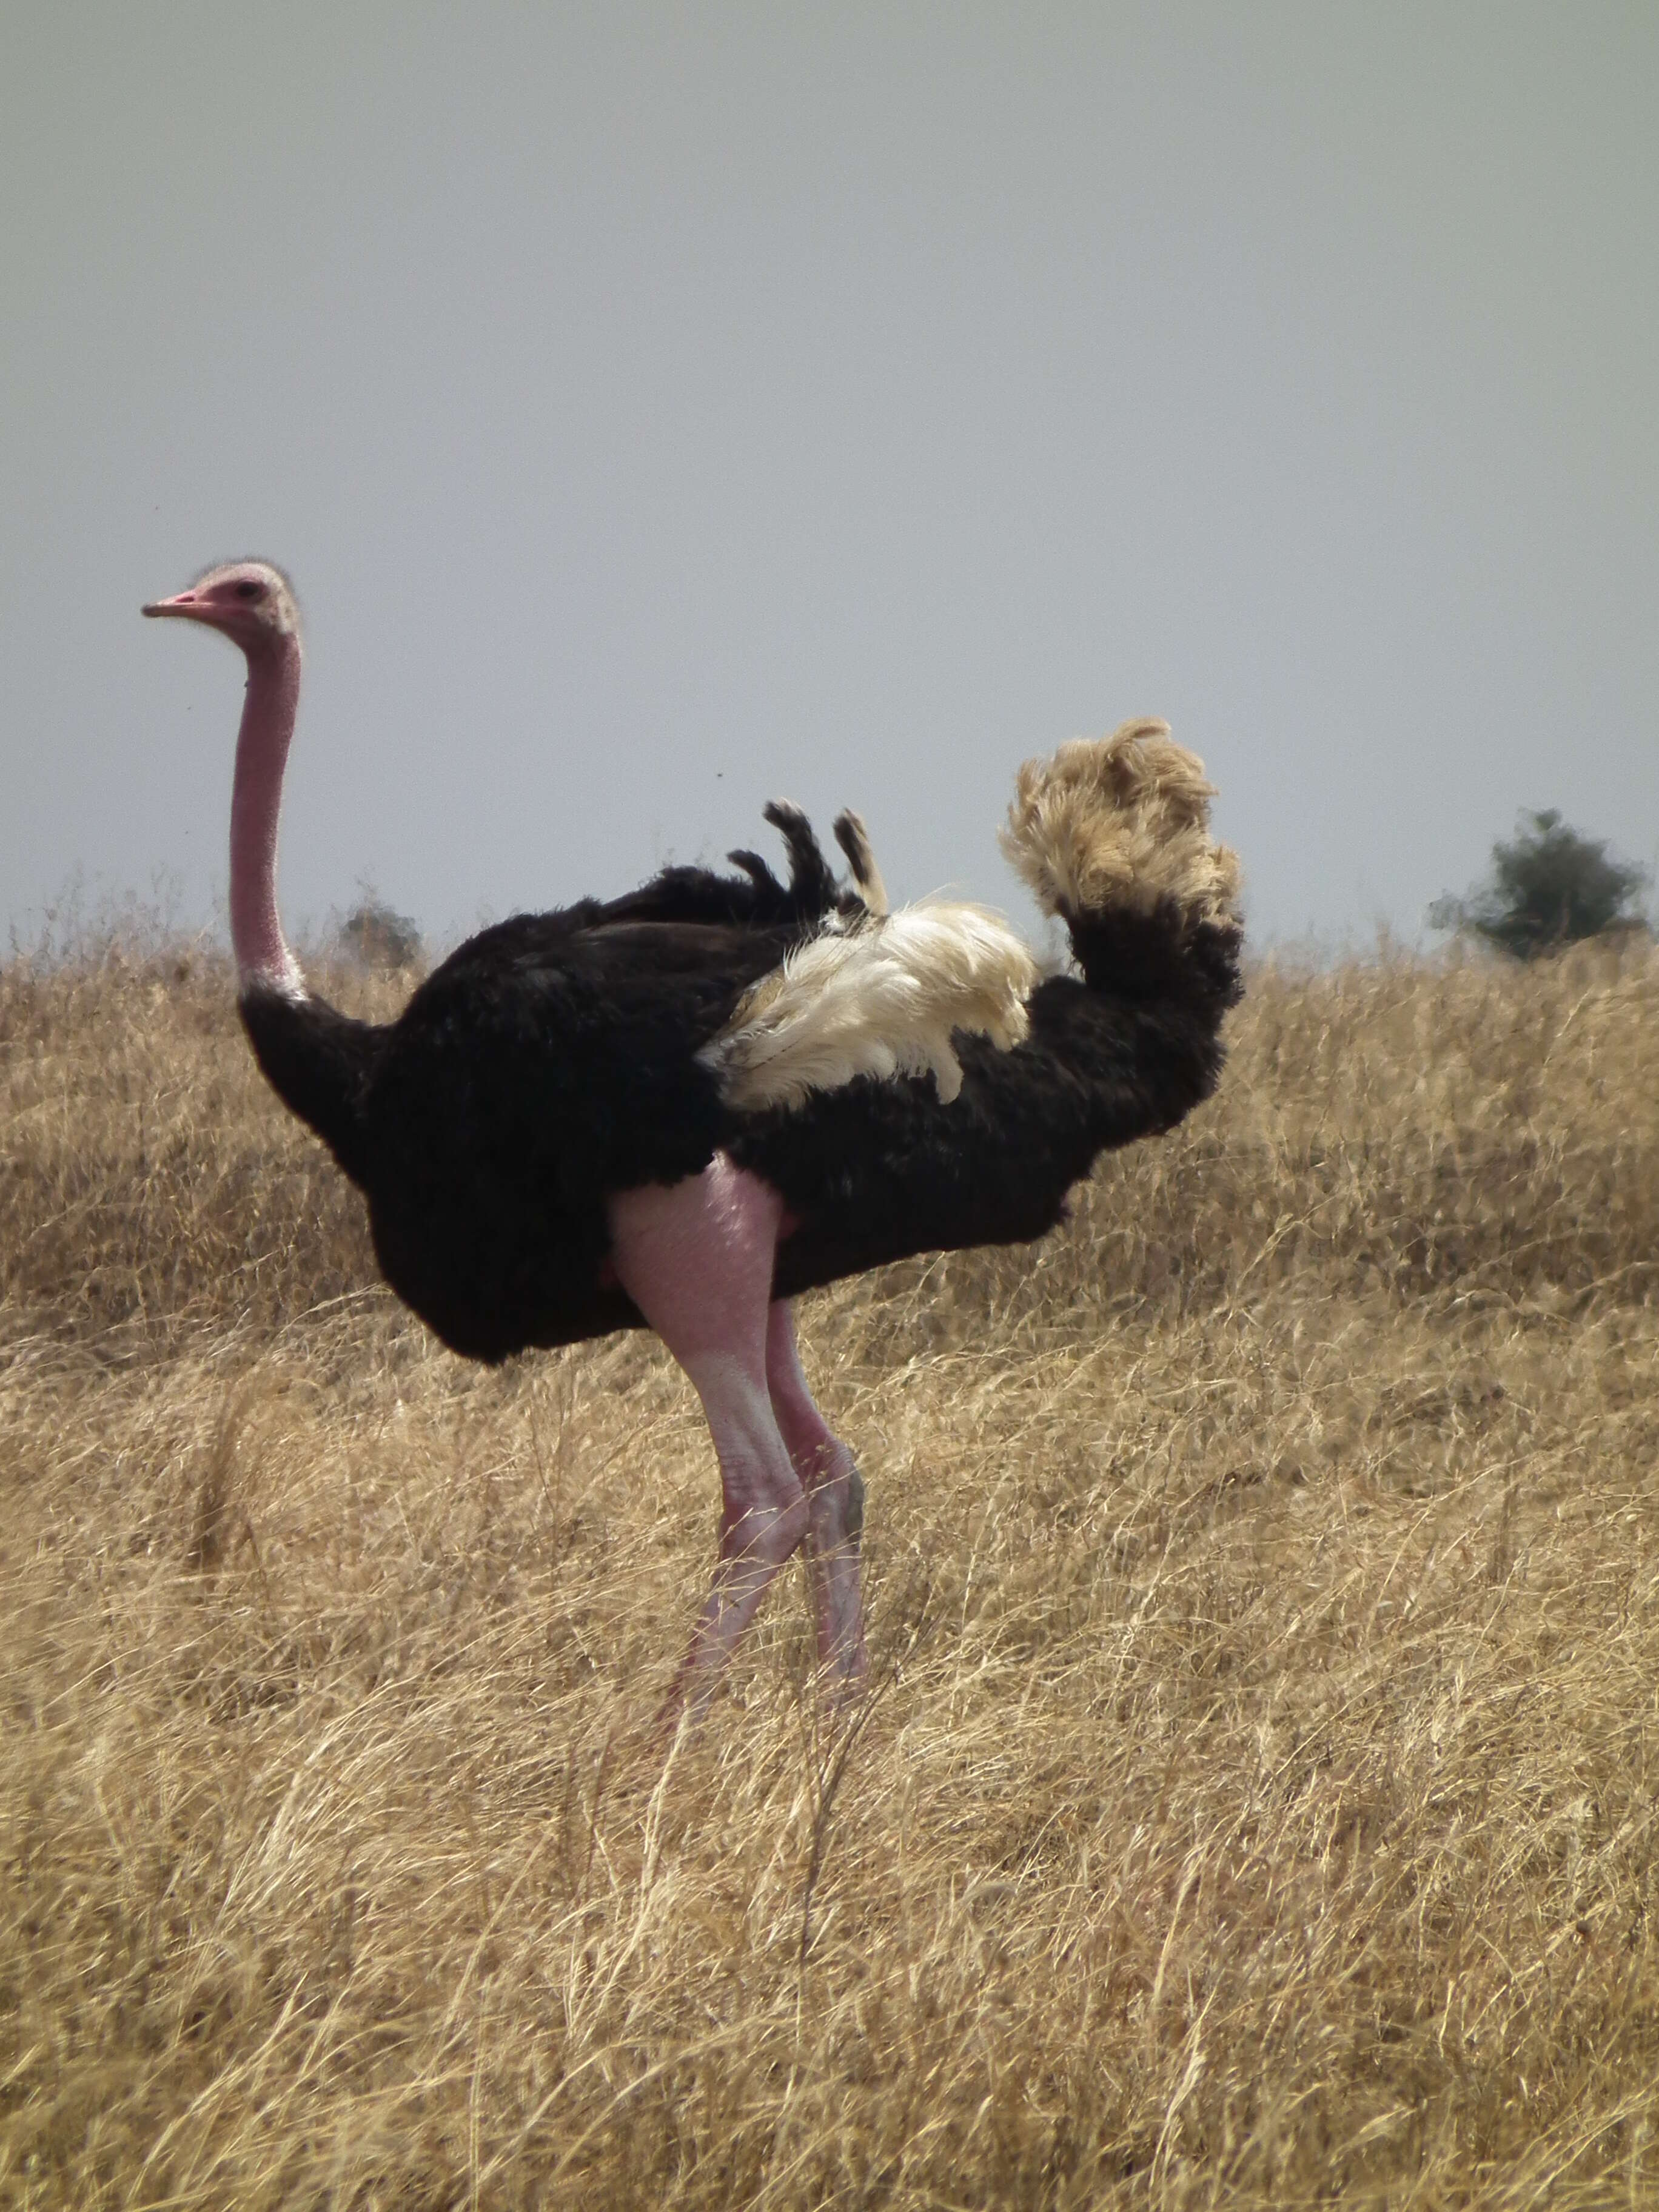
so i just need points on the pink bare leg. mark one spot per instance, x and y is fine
(697, 1259)
(835, 1495)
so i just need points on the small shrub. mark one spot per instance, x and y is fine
(1549, 887)
(376, 939)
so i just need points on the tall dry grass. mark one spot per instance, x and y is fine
(1256, 1803)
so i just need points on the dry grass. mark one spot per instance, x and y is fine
(1257, 1806)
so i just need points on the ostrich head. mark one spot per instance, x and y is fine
(250, 601)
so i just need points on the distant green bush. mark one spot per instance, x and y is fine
(375, 937)
(1549, 886)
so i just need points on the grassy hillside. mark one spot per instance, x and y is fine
(1256, 1801)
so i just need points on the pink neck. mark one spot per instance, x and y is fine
(262, 959)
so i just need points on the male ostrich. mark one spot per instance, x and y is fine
(680, 1108)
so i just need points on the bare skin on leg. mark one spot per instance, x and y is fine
(835, 1497)
(697, 1259)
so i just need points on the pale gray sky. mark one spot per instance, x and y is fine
(660, 408)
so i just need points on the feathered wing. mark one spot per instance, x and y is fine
(1113, 835)
(882, 1000)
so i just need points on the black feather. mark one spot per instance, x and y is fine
(321, 1065)
(811, 880)
(552, 1060)
(766, 883)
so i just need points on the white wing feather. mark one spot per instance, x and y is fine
(881, 1000)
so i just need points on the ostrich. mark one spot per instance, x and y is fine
(679, 1108)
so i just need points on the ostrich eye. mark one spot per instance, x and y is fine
(250, 591)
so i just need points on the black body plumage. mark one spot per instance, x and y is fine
(552, 1060)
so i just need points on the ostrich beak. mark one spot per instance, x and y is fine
(182, 603)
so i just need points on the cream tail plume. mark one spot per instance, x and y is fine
(264, 961)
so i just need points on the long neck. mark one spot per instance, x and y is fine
(264, 961)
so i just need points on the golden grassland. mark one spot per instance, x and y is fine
(1255, 1803)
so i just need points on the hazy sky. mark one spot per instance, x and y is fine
(661, 408)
